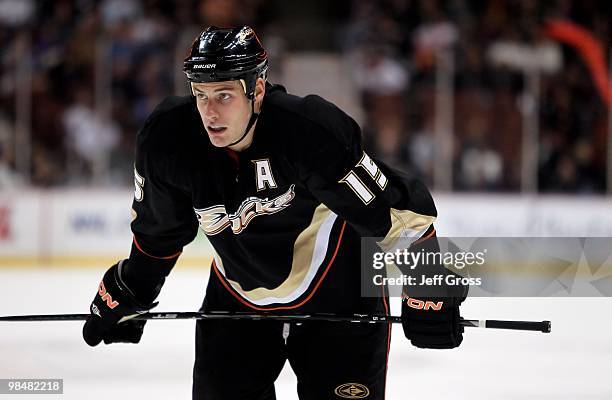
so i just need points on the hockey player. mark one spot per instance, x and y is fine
(284, 192)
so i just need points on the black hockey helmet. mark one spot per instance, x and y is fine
(223, 54)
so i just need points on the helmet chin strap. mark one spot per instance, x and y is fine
(252, 120)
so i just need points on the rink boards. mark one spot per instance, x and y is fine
(88, 227)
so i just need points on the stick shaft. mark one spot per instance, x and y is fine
(541, 326)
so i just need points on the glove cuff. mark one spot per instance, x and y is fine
(114, 299)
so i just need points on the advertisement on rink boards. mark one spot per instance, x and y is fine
(488, 267)
(20, 227)
(73, 228)
(492, 215)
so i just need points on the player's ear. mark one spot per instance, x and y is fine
(260, 91)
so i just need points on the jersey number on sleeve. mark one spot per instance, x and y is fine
(138, 186)
(358, 186)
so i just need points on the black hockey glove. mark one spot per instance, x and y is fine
(432, 323)
(111, 310)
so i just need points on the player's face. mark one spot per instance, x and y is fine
(225, 110)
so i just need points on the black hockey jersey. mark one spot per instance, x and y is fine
(278, 213)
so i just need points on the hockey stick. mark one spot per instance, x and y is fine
(541, 326)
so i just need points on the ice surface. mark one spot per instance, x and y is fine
(573, 362)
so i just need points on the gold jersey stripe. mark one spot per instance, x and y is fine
(309, 251)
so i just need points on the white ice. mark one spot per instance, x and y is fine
(572, 362)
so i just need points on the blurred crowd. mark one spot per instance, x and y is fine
(492, 50)
(99, 67)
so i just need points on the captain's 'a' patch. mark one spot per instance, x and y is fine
(263, 174)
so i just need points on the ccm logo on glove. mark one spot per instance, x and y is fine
(423, 305)
(106, 296)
